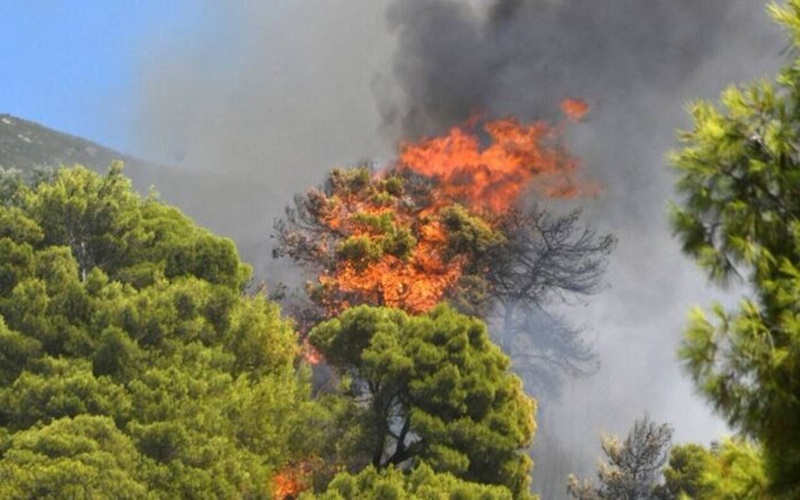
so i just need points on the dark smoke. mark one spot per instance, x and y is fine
(522, 57)
(275, 93)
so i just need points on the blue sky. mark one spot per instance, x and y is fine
(72, 65)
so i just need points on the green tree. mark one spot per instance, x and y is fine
(107, 225)
(393, 484)
(731, 470)
(11, 182)
(52, 388)
(431, 389)
(82, 458)
(684, 474)
(739, 217)
(124, 324)
(633, 467)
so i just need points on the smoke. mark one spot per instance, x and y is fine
(636, 63)
(257, 105)
(270, 95)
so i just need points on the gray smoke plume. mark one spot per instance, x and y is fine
(636, 63)
(263, 100)
(271, 95)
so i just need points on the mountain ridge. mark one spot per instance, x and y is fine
(26, 145)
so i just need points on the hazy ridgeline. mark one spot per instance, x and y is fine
(273, 95)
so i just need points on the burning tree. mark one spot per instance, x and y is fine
(375, 240)
(448, 222)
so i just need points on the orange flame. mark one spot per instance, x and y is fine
(415, 284)
(413, 280)
(574, 109)
(309, 354)
(518, 157)
(487, 179)
(292, 480)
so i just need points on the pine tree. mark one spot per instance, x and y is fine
(739, 218)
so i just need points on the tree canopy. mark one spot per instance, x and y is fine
(380, 241)
(136, 364)
(738, 218)
(132, 363)
(633, 466)
(421, 483)
(731, 469)
(433, 390)
(84, 457)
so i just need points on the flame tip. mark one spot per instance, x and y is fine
(574, 109)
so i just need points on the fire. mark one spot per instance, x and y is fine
(284, 486)
(309, 354)
(415, 284)
(390, 253)
(518, 158)
(574, 109)
(293, 479)
(378, 238)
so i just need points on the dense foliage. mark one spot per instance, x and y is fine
(732, 469)
(739, 216)
(132, 364)
(434, 390)
(136, 365)
(421, 483)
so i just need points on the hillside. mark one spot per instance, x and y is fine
(241, 209)
(25, 145)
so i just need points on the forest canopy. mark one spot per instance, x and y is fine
(133, 364)
(138, 363)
